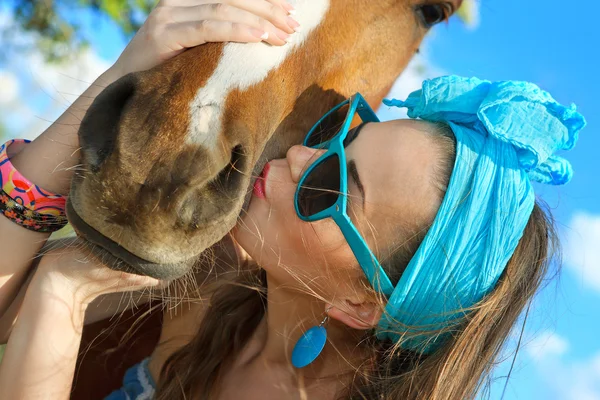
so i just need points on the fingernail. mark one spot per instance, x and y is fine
(154, 282)
(143, 281)
(163, 284)
(259, 33)
(282, 35)
(289, 8)
(292, 23)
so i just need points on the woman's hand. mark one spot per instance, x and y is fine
(41, 354)
(171, 28)
(175, 25)
(77, 276)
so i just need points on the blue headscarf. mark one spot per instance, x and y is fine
(507, 134)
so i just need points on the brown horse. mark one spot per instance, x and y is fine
(169, 153)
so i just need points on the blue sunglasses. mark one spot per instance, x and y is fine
(320, 195)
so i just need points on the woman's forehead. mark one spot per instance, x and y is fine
(396, 162)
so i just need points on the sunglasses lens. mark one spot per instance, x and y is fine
(321, 187)
(328, 127)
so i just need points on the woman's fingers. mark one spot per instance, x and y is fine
(76, 270)
(275, 11)
(269, 10)
(289, 9)
(190, 34)
(91, 279)
(224, 13)
(126, 282)
(175, 25)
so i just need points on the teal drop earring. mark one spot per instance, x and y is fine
(310, 345)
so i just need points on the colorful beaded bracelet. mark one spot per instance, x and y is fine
(26, 203)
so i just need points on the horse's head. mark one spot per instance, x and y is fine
(169, 153)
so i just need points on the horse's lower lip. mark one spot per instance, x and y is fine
(119, 258)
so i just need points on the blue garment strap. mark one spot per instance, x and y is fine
(506, 134)
(137, 384)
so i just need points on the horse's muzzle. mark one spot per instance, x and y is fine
(118, 258)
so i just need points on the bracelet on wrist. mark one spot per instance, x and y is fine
(25, 203)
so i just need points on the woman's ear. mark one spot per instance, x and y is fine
(363, 315)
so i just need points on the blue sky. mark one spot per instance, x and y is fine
(554, 45)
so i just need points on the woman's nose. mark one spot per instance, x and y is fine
(300, 158)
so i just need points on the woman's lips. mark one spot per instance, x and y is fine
(260, 188)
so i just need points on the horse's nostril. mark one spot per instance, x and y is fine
(230, 177)
(100, 126)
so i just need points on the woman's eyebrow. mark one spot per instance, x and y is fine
(353, 134)
(356, 178)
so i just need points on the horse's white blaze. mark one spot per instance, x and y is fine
(244, 65)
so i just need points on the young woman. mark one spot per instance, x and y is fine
(413, 245)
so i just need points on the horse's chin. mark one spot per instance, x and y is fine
(118, 258)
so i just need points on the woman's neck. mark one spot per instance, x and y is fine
(289, 315)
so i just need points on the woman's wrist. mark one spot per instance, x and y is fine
(77, 277)
(49, 284)
(41, 354)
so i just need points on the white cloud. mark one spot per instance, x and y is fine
(12, 32)
(568, 379)
(582, 248)
(547, 344)
(34, 93)
(419, 69)
(578, 380)
(9, 87)
(66, 81)
(61, 84)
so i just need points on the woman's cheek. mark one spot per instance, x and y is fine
(323, 235)
(273, 227)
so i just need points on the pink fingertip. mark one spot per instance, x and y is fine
(289, 8)
(292, 23)
(259, 34)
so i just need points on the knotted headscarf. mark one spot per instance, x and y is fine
(507, 134)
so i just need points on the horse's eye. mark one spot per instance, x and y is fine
(431, 14)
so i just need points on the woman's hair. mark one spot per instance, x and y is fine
(457, 370)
